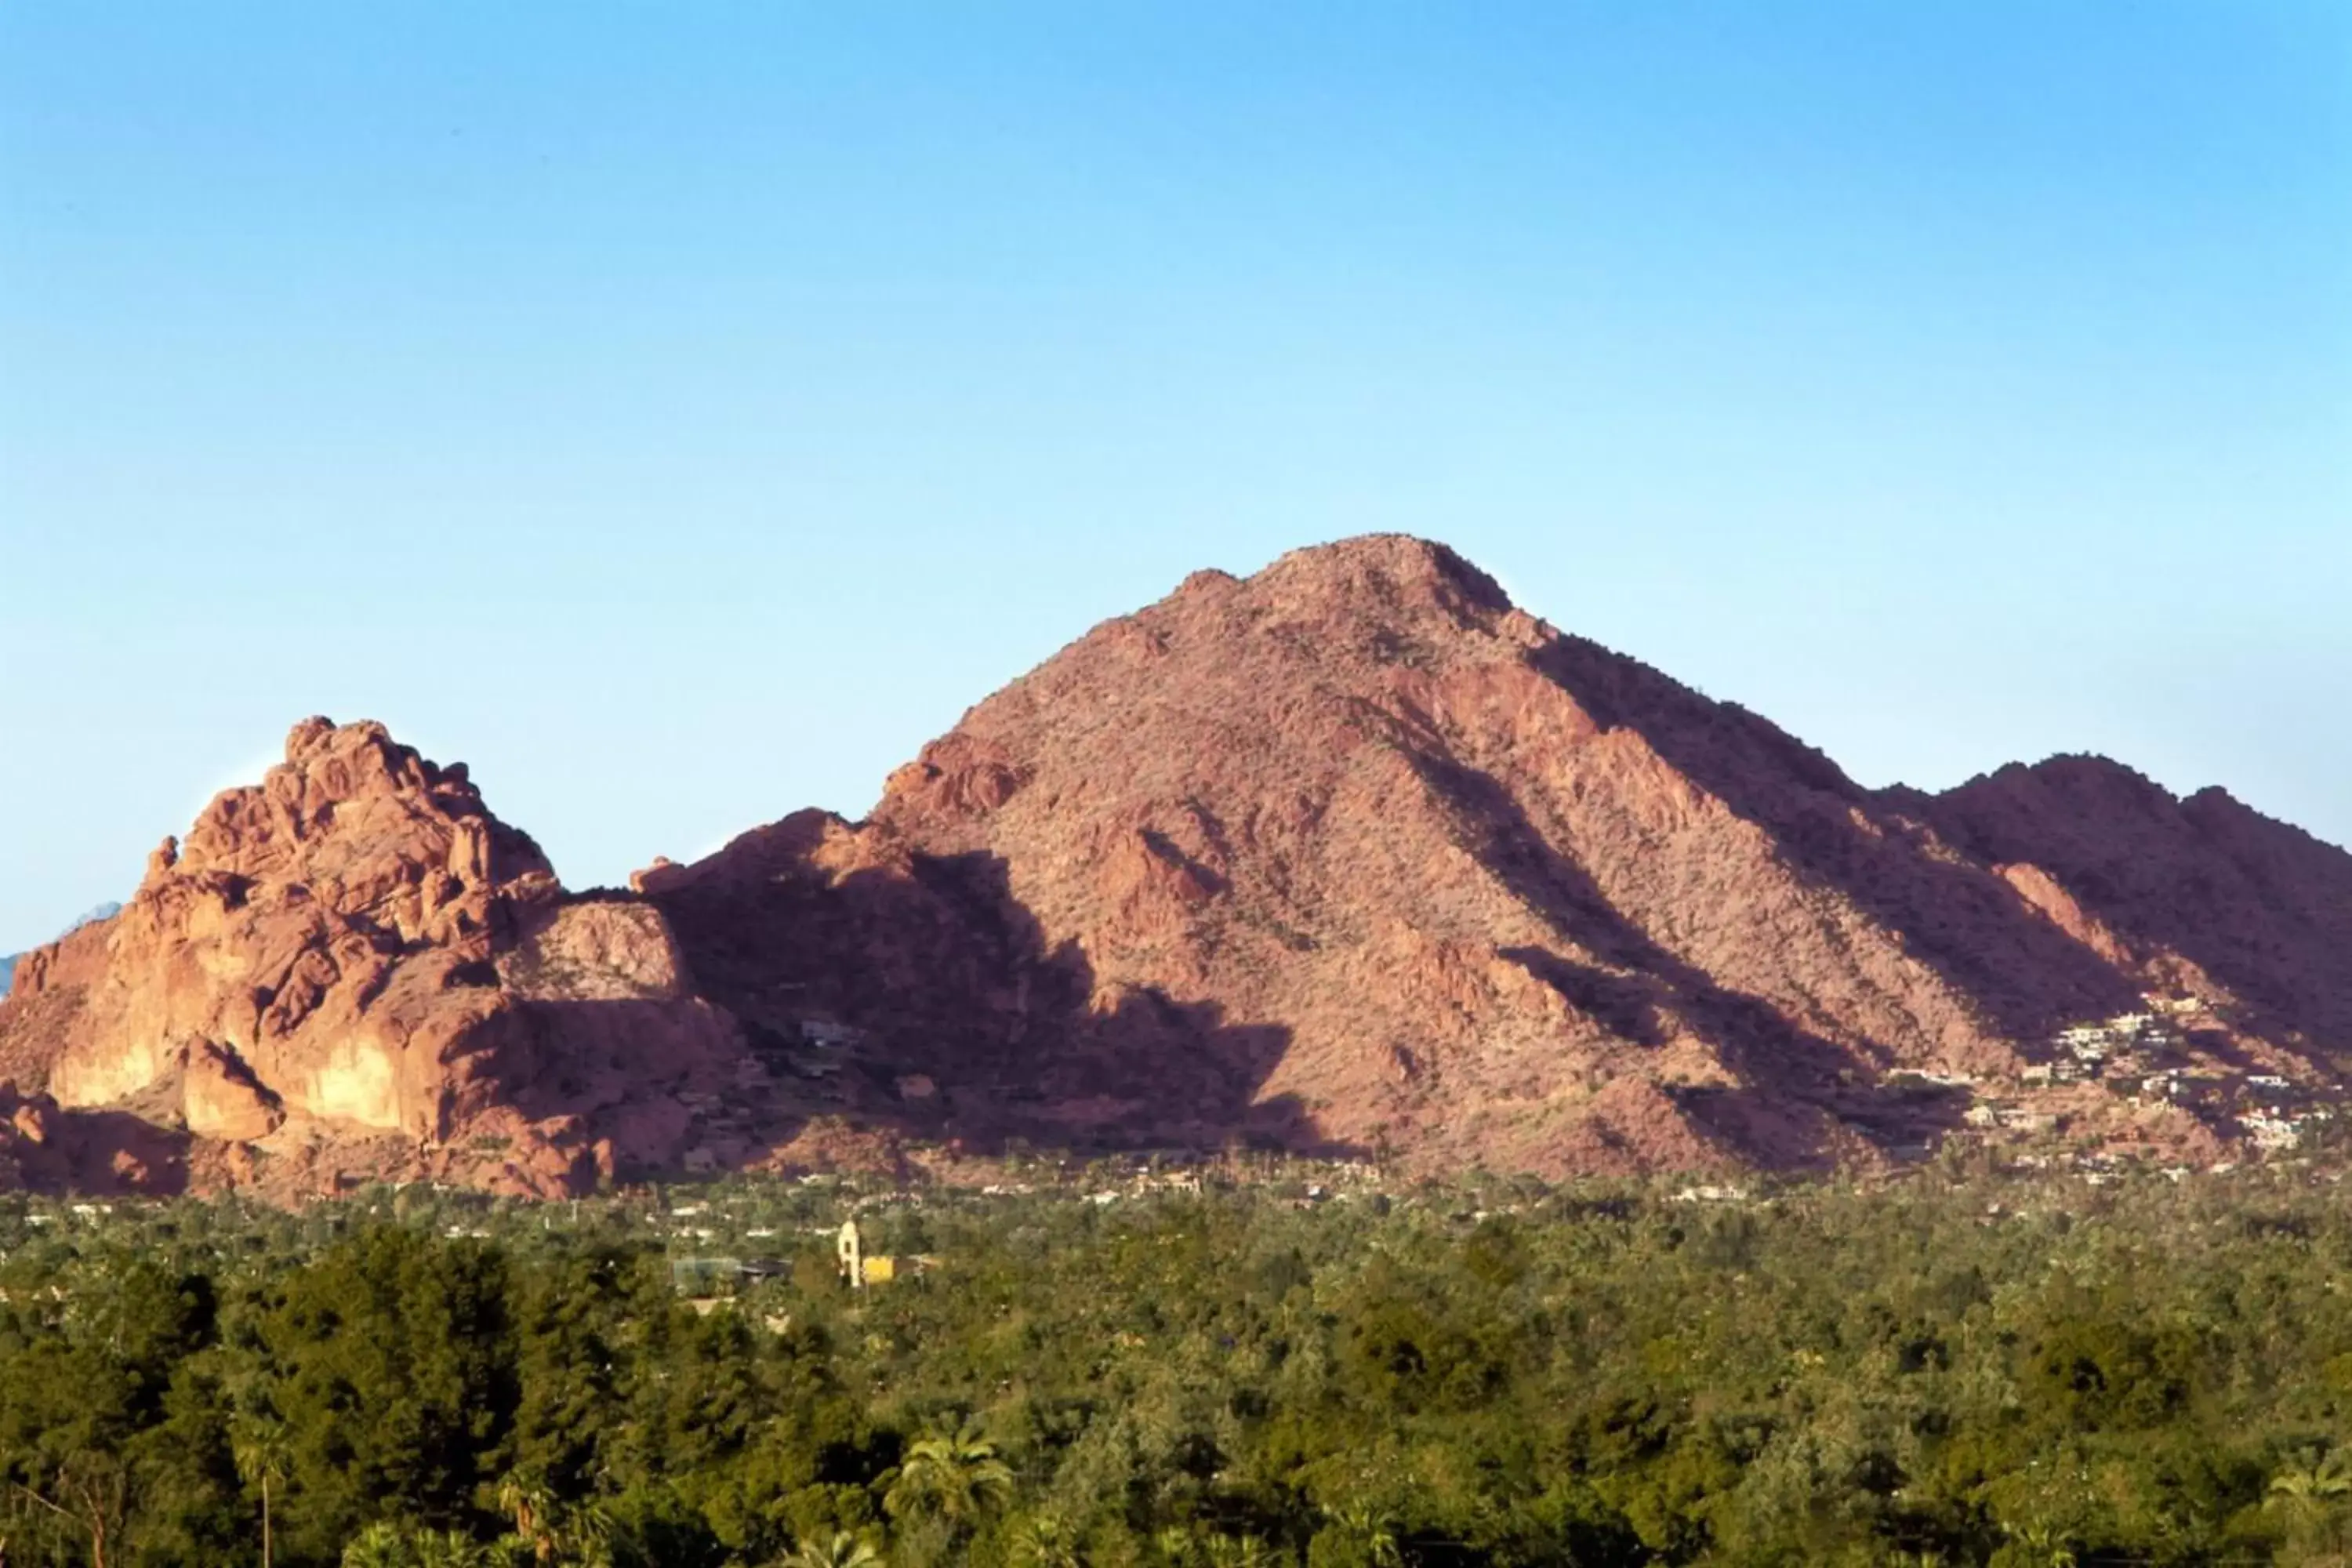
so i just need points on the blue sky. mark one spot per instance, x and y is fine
(682, 413)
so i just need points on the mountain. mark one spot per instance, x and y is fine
(1355, 855)
(2202, 896)
(1352, 857)
(354, 966)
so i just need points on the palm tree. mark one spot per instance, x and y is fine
(2045, 1544)
(844, 1551)
(2321, 1475)
(1374, 1532)
(585, 1534)
(1240, 1551)
(955, 1479)
(1045, 1541)
(2315, 1488)
(1177, 1546)
(447, 1549)
(257, 1443)
(388, 1546)
(528, 1504)
(378, 1546)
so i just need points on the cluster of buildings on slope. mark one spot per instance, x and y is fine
(2151, 1058)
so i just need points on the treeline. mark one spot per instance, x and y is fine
(1944, 1371)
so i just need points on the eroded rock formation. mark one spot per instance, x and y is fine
(356, 948)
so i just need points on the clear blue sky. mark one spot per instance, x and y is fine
(682, 412)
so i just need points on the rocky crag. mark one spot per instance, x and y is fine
(1352, 857)
(354, 966)
(8, 965)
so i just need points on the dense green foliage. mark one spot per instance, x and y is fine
(1943, 1369)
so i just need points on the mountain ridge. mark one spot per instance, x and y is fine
(1352, 857)
(1633, 896)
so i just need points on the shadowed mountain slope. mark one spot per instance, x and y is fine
(2204, 895)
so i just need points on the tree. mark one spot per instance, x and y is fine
(2043, 1544)
(533, 1512)
(843, 1550)
(85, 1403)
(1372, 1533)
(584, 1534)
(389, 1546)
(377, 1546)
(955, 1479)
(258, 1439)
(1241, 1552)
(1177, 1546)
(88, 1491)
(551, 1531)
(396, 1379)
(1045, 1541)
(2311, 1492)
(447, 1549)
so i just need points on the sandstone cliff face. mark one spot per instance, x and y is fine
(1355, 854)
(357, 947)
(8, 965)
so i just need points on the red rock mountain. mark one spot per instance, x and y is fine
(354, 964)
(2202, 896)
(1356, 855)
(1352, 856)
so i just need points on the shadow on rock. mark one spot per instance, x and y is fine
(2259, 905)
(1803, 1081)
(917, 994)
(2029, 978)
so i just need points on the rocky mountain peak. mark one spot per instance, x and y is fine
(356, 948)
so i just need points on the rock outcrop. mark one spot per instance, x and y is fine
(44, 1146)
(8, 965)
(356, 950)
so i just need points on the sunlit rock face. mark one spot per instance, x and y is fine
(357, 942)
(8, 965)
